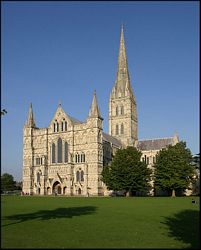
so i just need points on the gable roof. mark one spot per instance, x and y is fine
(74, 120)
(111, 139)
(155, 144)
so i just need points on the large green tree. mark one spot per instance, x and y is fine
(173, 168)
(7, 182)
(127, 172)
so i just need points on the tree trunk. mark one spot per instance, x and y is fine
(173, 193)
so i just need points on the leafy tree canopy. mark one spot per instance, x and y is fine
(7, 182)
(127, 172)
(173, 169)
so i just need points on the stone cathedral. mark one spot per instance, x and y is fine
(68, 156)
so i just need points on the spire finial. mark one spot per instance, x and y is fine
(122, 27)
(59, 102)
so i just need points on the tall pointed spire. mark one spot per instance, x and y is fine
(122, 78)
(94, 110)
(30, 121)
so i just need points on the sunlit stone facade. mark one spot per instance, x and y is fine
(68, 156)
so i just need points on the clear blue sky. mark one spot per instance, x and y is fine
(63, 51)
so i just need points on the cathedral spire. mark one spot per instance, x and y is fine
(122, 78)
(30, 121)
(94, 110)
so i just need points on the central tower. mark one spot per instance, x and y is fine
(122, 103)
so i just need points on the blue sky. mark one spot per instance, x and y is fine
(63, 51)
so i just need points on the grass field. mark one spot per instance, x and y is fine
(117, 222)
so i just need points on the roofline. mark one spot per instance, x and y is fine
(156, 139)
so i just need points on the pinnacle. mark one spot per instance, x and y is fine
(30, 121)
(94, 111)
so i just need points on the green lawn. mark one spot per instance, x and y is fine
(113, 222)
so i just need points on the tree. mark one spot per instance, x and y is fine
(173, 169)
(18, 185)
(7, 182)
(196, 161)
(127, 172)
(3, 112)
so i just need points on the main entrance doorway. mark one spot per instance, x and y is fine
(56, 188)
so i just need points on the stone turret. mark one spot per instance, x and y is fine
(28, 152)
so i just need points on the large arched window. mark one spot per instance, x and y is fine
(53, 153)
(59, 151)
(122, 128)
(66, 152)
(117, 129)
(77, 176)
(65, 126)
(38, 177)
(57, 127)
(82, 175)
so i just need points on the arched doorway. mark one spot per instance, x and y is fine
(65, 190)
(48, 190)
(56, 189)
(79, 191)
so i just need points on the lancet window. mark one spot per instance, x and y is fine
(122, 128)
(59, 152)
(53, 153)
(117, 129)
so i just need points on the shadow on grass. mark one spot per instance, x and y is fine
(184, 226)
(51, 214)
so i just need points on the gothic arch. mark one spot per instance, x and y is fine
(56, 188)
(48, 190)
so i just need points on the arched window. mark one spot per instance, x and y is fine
(82, 175)
(82, 157)
(66, 152)
(122, 110)
(54, 127)
(62, 126)
(53, 153)
(57, 127)
(117, 129)
(77, 176)
(145, 158)
(122, 128)
(38, 177)
(59, 152)
(65, 126)
(116, 110)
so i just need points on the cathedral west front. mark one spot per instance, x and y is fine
(68, 156)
